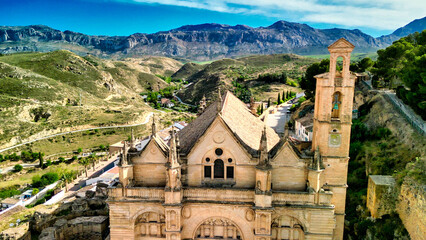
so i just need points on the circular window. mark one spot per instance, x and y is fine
(229, 160)
(207, 159)
(218, 151)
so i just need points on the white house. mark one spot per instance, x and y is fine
(304, 127)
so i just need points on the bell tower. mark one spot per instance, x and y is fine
(332, 127)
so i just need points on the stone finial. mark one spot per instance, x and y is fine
(123, 159)
(263, 149)
(153, 127)
(173, 156)
(219, 103)
(317, 160)
(286, 135)
(203, 104)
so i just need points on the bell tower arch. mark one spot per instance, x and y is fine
(332, 127)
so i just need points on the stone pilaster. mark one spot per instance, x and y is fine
(173, 222)
(263, 220)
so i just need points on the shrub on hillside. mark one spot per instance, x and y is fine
(9, 191)
(17, 168)
(45, 179)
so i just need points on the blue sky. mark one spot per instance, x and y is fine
(124, 17)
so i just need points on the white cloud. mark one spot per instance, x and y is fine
(375, 14)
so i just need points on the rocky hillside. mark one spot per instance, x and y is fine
(41, 93)
(241, 76)
(417, 25)
(197, 42)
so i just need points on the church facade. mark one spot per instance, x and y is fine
(229, 176)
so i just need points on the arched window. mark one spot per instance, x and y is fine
(336, 105)
(219, 170)
(218, 164)
(286, 227)
(150, 224)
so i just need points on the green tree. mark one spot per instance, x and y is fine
(61, 159)
(269, 102)
(365, 64)
(308, 81)
(40, 158)
(278, 99)
(17, 168)
(92, 159)
(261, 107)
(35, 191)
(67, 176)
(405, 61)
(79, 150)
(85, 162)
(26, 156)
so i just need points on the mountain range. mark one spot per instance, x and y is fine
(198, 42)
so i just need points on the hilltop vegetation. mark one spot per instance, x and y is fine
(45, 93)
(261, 76)
(402, 66)
(57, 91)
(382, 143)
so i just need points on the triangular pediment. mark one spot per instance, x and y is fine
(341, 43)
(237, 117)
(285, 155)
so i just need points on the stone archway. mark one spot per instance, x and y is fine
(150, 225)
(218, 227)
(287, 228)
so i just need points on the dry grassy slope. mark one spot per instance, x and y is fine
(109, 90)
(207, 79)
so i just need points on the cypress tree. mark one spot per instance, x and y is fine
(269, 102)
(279, 99)
(40, 157)
(261, 107)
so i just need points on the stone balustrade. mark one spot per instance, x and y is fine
(222, 195)
(298, 198)
(138, 192)
(301, 198)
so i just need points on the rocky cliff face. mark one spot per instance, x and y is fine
(200, 42)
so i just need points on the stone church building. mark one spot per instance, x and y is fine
(229, 176)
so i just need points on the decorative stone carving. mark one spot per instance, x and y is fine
(218, 228)
(250, 215)
(287, 227)
(150, 224)
(186, 212)
(219, 137)
(334, 140)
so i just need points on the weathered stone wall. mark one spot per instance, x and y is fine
(68, 211)
(411, 210)
(18, 233)
(94, 228)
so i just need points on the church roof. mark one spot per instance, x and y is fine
(245, 126)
